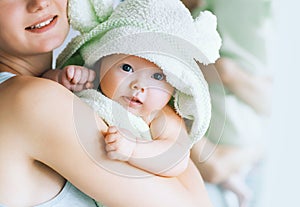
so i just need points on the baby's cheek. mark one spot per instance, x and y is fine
(160, 98)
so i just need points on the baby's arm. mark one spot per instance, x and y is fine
(166, 155)
(73, 77)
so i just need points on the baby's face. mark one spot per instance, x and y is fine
(137, 84)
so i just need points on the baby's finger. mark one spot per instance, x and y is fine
(70, 72)
(77, 87)
(89, 85)
(92, 76)
(110, 147)
(77, 76)
(112, 130)
(84, 75)
(110, 138)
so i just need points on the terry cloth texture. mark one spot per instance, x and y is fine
(163, 32)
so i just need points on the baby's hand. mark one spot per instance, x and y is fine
(119, 144)
(77, 78)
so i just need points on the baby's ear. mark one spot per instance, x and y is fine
(209, 39)
(84, 15)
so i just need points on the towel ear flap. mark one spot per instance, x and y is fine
(208, 39)
(103, 9)
(84, 15)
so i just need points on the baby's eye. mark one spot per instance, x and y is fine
(127, 68)
(158, 76)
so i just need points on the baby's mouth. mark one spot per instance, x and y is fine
(135, 100)
(41, 24)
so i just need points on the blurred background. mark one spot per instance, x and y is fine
(282, 176)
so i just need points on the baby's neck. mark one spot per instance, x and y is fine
(150, 117)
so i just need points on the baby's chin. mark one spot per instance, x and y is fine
(133, 111)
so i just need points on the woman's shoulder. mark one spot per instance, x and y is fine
(32, 90)
(25, 96)
(25, 106)
(43, 96)
(22, 85)
(37, 105)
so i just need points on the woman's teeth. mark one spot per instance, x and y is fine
(42, 24)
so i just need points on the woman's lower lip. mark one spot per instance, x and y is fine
(44, 28)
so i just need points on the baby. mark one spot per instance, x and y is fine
(140, 86)
(144, 52)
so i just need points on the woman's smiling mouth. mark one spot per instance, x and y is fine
(42, 24)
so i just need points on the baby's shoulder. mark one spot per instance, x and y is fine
(168, 117)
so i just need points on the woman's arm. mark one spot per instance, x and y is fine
(63, 133)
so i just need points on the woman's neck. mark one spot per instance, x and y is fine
(30, 65)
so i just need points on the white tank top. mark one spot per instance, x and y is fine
(5, 76)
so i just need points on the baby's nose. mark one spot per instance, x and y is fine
(135, 85)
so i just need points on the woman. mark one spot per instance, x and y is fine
(39, 147)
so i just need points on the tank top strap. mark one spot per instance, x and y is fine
(5, 76)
